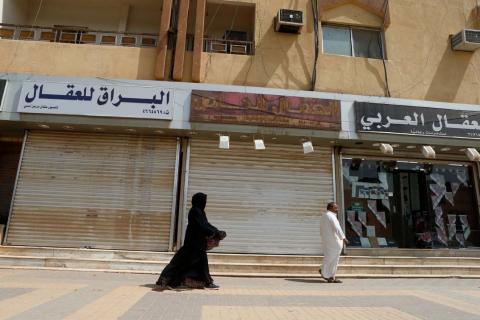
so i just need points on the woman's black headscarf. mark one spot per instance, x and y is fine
(199, 200)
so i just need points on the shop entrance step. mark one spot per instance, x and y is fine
(238, 264)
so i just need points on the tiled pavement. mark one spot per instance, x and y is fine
(81, 295)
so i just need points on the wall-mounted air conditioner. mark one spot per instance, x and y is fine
(466, 40)
(289, 21)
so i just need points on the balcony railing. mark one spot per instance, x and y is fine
(86, 36)
(229, 46)
(77, 36)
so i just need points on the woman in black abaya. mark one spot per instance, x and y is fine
(189, 266)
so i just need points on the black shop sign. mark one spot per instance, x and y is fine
(383, 118)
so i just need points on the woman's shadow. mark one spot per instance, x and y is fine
(157, 288)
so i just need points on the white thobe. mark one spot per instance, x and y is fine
(332, 241)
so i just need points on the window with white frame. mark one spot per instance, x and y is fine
(352, 41)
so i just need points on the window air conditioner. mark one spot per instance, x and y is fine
(466, 40)
(289, 21)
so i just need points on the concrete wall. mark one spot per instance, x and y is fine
(145, 16)
(62, 59)
(142, 16)
(420, 62)
(351, 14)
(280, 60)
(224, 16)
(15, 11)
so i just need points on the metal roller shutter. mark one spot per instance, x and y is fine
(268, 201)
(94, 190)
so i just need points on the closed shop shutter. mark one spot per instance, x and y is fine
(94, 190)
(269, 201)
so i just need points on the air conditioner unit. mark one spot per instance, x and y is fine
(466, 40)
(289, 21)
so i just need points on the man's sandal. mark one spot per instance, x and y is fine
(321, 275)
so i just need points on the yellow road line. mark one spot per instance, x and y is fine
(449, 302)
(304, 313)
(21, 303)
(5, 273)
(472, 293)
(316, 293)
(112, 305)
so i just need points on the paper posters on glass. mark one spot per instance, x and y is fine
(371, 231)
(365, 243)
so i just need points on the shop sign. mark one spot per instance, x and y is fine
(375, 117)
(105, 100)
(265, 110)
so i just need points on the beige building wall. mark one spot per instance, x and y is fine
(280, 60)
(286, 60)
(14, 11)
(141, 16)
(420, 63)
(145, 16)
(220, 17)
(63, 59)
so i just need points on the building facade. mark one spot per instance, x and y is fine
(114, 113)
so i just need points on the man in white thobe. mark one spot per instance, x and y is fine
(333, 239)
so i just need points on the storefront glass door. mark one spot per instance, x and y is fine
(410, 204)
(410, 209)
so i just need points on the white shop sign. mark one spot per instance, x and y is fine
(105, 100)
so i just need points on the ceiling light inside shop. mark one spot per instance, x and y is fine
(130, 130)
(386, 148)
(472, 154)
(98, 129)
(396, 145)
(445, 149)
(193, 133)
(428, 152)
(67, 127)
(307, 147)
(411, 147)
(43, 126)
(224, 142)
(274, 138)
(376, 145)
(259, 144)
(159, 131)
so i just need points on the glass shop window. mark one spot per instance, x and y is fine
(454, 210)
(368, 192)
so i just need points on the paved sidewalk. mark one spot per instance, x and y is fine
(84, 295)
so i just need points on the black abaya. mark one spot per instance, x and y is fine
(191, 260)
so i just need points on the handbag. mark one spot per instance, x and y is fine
(212, 242)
